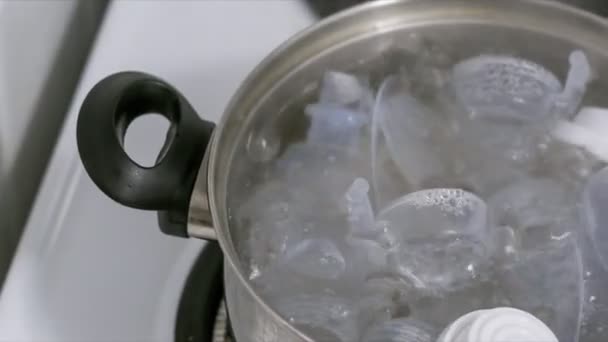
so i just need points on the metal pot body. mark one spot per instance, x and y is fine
(199, 169)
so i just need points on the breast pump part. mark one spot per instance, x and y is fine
(412, 251)
(498, 325)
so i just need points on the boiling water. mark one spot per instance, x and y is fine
(401, 211)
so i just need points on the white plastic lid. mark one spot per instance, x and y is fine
(498, 325)
(587, 130)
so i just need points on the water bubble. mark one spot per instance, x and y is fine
(263, 146)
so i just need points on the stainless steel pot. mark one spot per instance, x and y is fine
(201, 166)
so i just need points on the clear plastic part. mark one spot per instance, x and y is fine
(397, 214)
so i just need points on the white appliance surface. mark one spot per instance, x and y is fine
(26, 57)
(41, 56)
(87, 268)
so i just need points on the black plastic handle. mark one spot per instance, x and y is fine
(166, 187)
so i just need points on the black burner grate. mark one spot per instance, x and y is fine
(201, 298)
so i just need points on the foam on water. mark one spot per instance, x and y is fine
(452, 204)
(503, 87)
(451, 201)
(442, 238)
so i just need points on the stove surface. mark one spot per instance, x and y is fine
(88, 269)
(39, 70)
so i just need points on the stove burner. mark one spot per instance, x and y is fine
(201, 315)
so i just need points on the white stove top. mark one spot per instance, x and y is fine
(88, 269)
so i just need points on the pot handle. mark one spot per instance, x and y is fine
(166, 187)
